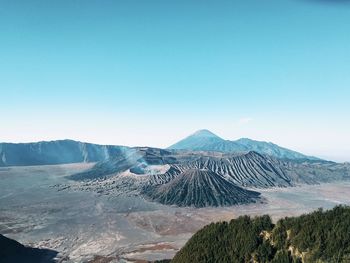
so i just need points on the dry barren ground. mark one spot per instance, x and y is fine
(88, 226)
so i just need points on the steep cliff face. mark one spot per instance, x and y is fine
(55, 152)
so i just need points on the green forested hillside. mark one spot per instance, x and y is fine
(322, 236)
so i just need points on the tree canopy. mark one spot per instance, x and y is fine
(321, 236)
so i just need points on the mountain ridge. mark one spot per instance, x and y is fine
(55, 152)
(71, 151)
(200, 141)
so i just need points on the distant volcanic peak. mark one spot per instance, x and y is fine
(198, 141)
(204, 133)
(204, 140)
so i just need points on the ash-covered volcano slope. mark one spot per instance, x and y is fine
(245, 169)
(262, 171)
(199, 188)
(188, 178)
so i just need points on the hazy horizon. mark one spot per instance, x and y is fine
(153, 72)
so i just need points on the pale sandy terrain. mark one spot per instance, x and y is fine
(82, 223)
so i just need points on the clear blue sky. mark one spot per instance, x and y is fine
(150, 72)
